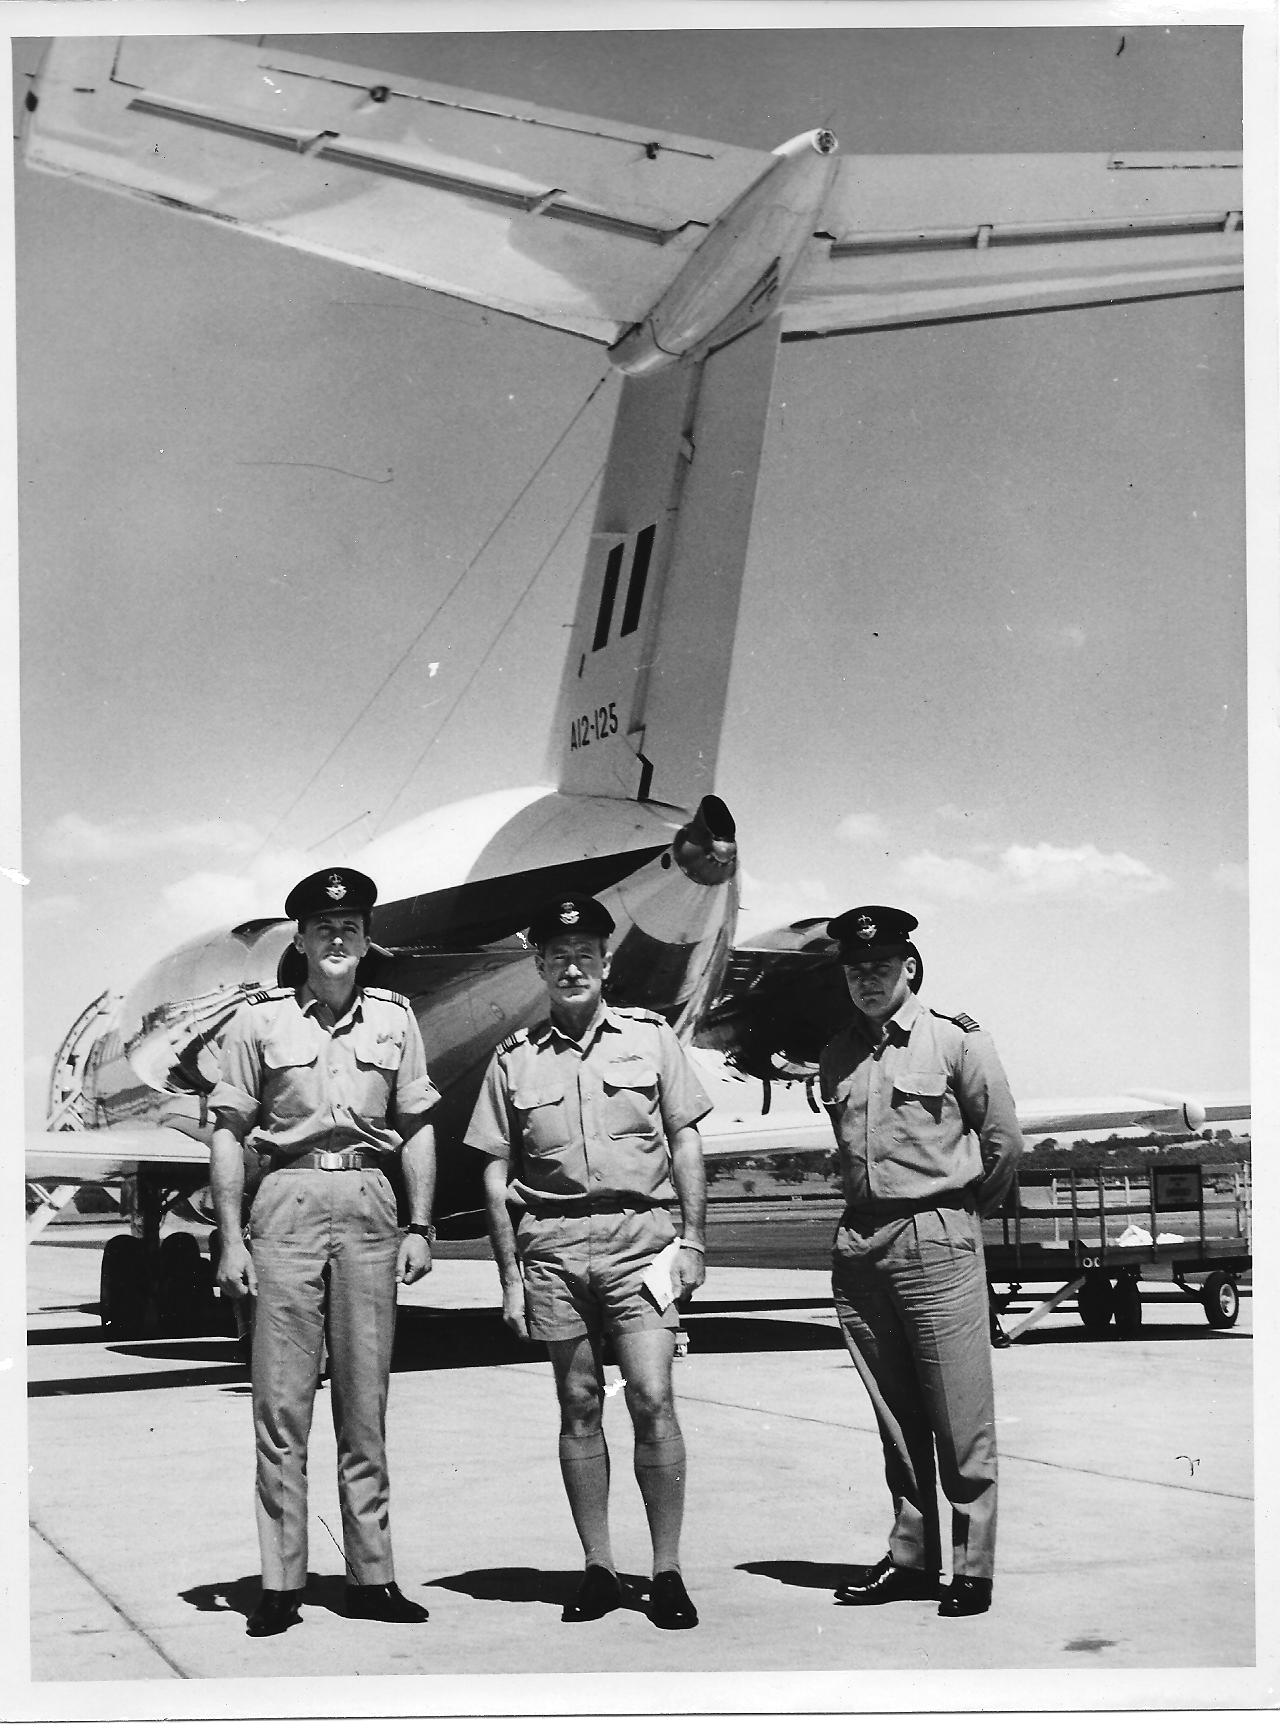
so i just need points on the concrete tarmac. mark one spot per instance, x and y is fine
(1125, 1572)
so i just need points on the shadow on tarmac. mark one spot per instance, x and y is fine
(803, 1574)
(531, 1584)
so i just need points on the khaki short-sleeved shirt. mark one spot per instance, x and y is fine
(589, 1120)
(294, 1084)
(924, 1111)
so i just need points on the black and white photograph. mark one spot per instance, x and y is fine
(642, 691)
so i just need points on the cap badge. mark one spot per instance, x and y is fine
(335, 887)
(865, 929)
(569, 913)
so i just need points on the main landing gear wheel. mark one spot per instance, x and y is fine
(183, 1282)
(1221, 1300)
(1126, 1306)
(1093, 1303)
(122, 1286)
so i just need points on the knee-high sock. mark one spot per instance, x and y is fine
(584, 1465)
(660, 1471)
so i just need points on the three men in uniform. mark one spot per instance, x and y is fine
(587, 1124)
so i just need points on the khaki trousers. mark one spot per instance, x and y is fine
(911, 1298)
(324, 1246)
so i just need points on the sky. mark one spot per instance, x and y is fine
(990, 661)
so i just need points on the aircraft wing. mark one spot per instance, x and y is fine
(582, 224)
(570, 222)
(939, 239)
(784, 996)
(107, 1154)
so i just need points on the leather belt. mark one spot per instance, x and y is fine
(884, 1211)
(327, 1161)
(584, 1207)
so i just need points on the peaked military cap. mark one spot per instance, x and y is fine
(572, 915)
(336, 890)
(872, 932)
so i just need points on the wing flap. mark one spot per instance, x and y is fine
(919, 240)
(570, 222)
(107, 1154)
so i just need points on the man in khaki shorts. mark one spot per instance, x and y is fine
(587, 1123)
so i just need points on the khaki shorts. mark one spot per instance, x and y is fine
(583, 1272)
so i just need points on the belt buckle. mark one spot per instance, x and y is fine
(333, 1161)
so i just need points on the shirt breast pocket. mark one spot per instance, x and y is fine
(544, 1121)
(377, 1052)
(630, 1099)
(919, 1093)
(290, 1083)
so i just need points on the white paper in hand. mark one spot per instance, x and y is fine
(660, 1280)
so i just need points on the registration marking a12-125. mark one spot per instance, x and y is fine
(591, 728)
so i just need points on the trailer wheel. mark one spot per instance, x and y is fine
(1127, 1308)
(122, 1291)
(1221, 1300)
(1093, 1303)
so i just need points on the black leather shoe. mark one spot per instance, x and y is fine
(276, 1612)
(598, 1594)
(887, 1582)
(965, 1596)
(383, 1602)
(1000, 1339)
(669, 1604)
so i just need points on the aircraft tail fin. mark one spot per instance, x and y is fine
(643, 692)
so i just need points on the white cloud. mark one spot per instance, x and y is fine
(862, 826)
(78, 840)
(1233, 876)
(1036, 872)
(209, 898)
(768, 905)
(51, 909)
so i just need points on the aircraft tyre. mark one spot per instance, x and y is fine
(183, 1285)
(122, 1288)
(1127, 1307)
(1221, 1299)
(1093, 1303)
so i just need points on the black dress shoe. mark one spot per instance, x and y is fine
(965, 1596)
(669, 1604)
(887, 1582)
(383, 1602)
(277, 1610)
(598, 1594)
(1000, 1339)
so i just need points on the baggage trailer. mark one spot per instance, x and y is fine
(1094, 1233)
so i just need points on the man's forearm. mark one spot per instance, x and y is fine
(418, 1161)
(226, 1180)
(689, 1175)
(502, 1237)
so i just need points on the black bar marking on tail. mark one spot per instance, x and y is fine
(639, 575)
(608, 592)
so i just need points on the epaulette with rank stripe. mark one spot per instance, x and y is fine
(643, 1014)
(510, 1043)
(965, 1022)
(276, 994)
(386, 995)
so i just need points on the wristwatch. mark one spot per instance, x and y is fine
(425, 1230)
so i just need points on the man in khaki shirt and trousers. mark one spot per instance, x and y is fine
(325, 1082)
(928, 1137)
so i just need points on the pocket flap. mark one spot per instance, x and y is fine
(636, 1076)
(287, 1052)
(920, 1083)
(530, 1097)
